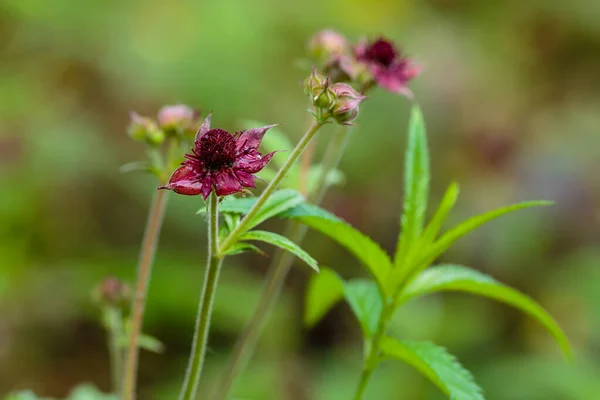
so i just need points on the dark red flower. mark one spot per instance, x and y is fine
(220, 161)
(390, 70)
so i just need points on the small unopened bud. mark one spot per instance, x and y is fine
(347, 101)
(325, 44)
(143, 129)
(112, 292)
(318, 88)
(177, 119)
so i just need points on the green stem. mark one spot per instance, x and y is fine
(372, 356)
(241, 228)
(277, 273)
(113, 319)
(149, 244)
(211, 277)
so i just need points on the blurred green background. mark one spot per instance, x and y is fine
(511, 95)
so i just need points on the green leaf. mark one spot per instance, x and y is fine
(460, 278)
(324, 290)
(241, 247)
(361, 246)
(282, 242)
(277, 203)
(448, 238)
(429, 234)
(416, 186)
(365, 300)
(22, 395)
(439, 366)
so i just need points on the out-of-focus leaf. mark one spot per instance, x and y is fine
(145, 341)
(89, 392)
(284, 243)
(448, 238)
(416, 186)
(463, 279)
(365, 300)
(324, 290)
(361, 246)
(439, 366)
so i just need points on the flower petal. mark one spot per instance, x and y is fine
(250, 139)
(253, 161)
(206, 185)
(246, 179)
(184, 181)
(225, 182)
(205, 127)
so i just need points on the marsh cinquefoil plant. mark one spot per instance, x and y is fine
(220, 165)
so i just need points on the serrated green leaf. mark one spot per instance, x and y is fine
(416, 186)
(452, 277)
(448, 238)
(323, 292)
(241, 247)
(277, 203)
(361, 246)
(429, 234)
(282, 242)
(366, 303)
(439, 366)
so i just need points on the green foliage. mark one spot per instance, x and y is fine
(361, 246)
(439, 366)
(366, 303)
(416, 186)
(463, 279)
(324, 291)
(241, 247)
(284, 243)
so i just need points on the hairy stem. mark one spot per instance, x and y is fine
(241, 228)
(277, 272)
(151, 235)
(211, 277)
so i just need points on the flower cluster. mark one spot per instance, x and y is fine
(172, 121)
(366, 63)
(220, 161)
(339, 101)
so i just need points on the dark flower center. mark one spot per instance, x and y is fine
(382, 52)
(217, 150)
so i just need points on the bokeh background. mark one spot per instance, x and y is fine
(511, 96)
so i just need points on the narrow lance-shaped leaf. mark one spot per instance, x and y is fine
(439, 366)
(282, 242)
(416, 186)
(361, 246)
(429, 234)
(324, 291)
(463, 279)
(277, 203)
(448, 238)
(241, 247)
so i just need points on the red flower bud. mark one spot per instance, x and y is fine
(347, 101)
(143, 129)
(112, 292)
